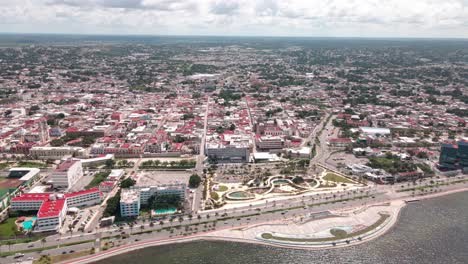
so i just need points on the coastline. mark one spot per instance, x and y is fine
(211, 236)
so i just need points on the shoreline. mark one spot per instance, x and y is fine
(207, 237)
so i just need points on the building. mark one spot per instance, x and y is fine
(130, 202)
(375, 131)
(133, 198)
(270, 143)
(25, 175)
(56, 152)
(339, 142)
(231, 153)
(51, 208)
(454, 156)
(106, 186)
(67, 173)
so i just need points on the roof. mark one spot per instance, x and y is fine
(375, 130)
(83, 192)
(64, 166)
(52, 204)
(51, 208)
(32, 197)
(31, 173)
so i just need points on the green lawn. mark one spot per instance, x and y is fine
(335, 178)
(5, 165)
(30, 164)
(98, 178)
(8, 227)
(222, 188)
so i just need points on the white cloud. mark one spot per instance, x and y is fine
(399, 18)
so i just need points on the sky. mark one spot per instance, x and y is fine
(310, 18)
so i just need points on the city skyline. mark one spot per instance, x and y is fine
(336, 18)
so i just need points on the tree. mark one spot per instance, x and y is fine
(298, 180)
(232, 127)
(164, 201)
(194, 181)
(110, 163)
(127, 183)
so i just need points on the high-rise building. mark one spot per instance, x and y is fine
(454, 156)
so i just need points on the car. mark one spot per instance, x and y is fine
(71, 251)
(30, 245)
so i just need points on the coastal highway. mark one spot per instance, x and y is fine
(249, 215)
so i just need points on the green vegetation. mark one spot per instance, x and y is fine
(336, 178)
(30, 164)
(5, 165)
(98, 178)
(127, 183)
(110, 163)
(298, 180)
(194, 181)
(391, 164)
(8, 228)
(214, 196)
(164, 201)
(295, 166)
(113, 206)
(426, 169)
(222, 188)
(188, 116)
(157, 164)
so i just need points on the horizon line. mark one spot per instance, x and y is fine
(232, 36)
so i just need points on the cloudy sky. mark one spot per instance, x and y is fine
(345, 18)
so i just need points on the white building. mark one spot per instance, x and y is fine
(130, 202)
(57, 152)
(132, 199)
(67, 173)
(51, 208)
(270, 143)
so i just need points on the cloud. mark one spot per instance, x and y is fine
(225, 7)
(163, 5)
(426, 18)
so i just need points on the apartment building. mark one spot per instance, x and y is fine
(67, 173)
(51, 208)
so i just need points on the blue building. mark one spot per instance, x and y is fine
(454, 156)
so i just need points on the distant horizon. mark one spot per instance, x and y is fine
(230, 36)
(426, 19)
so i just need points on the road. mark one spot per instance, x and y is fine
(247, 215)
(198, 193)
(252, 126)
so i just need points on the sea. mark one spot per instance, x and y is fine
(429, 231)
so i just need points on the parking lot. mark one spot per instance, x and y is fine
(80, 220)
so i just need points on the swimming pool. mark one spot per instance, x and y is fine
(28, 225)
(165, 211)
